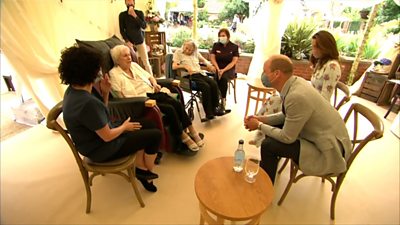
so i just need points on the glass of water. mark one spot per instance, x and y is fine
(251, 168)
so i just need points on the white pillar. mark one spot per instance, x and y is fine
(267, 35)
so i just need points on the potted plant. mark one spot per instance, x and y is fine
(153, 17)
(296, 41)
(364, 14)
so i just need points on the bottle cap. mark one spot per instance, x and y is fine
(241, 141)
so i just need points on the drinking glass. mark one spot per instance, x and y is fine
(251, 168)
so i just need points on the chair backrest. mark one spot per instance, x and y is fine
(52, 124)
(368, 119)
(169, 72)
(346, 95)
(186, 84)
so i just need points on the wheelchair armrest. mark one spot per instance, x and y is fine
(173, 86)
(168, 82)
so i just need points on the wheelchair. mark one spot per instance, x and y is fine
(188, 86)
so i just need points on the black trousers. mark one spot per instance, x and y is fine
(272, 150)
(222, 84)
(209, 92)
(174, 111)
(147, 138)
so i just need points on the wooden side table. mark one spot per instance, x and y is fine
(225, 194)
(255, 86)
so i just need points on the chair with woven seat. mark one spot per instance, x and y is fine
(359, 113)
(89, 169)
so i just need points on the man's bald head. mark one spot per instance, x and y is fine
(280, 62)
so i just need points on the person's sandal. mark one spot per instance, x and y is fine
(193, 147)
(199, 139)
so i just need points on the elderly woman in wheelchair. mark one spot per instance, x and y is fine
(189, 59)
(128, 79)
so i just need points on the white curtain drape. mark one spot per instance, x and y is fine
(267, 35)
(34, 32)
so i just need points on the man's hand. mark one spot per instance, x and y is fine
(131, 11)
(251, 123)
(130, 45)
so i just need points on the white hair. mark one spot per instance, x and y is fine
(191, 42)
(116, 52)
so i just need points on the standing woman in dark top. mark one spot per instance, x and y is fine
(224, 56)
(131, 26)
(87, 118)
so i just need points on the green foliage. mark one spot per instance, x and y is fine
(179, 37)
(203, 15)
(351, 13)
(233, 7)
(201, 3)
(249, 46)
(296, 41)
(388, 11)
(206, 43)
(348, 46)
(371, 51)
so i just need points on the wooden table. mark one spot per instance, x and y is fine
(227, 195)
(255, 86)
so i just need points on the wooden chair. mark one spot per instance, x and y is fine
(336, 180)
(340, 86)
(91, 169)
(232, 82)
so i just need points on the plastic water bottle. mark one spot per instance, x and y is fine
(238, 161)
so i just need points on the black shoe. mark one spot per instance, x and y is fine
(210, 117)
(148, 185)
(157, 160)
(145, 174)
(227, 111)
(219, 112)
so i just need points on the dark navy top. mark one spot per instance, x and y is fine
(224, 55)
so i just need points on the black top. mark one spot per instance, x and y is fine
(224, 55)
(132, 28)
(84, 114)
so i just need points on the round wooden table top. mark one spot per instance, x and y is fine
(256, 84)
(226, 193)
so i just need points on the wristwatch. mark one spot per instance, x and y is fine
(259, 125)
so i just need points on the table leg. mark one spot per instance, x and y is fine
(201, 219)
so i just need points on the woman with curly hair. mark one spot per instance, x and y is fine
(87, 118)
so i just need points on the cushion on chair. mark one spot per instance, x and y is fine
(104, 47)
